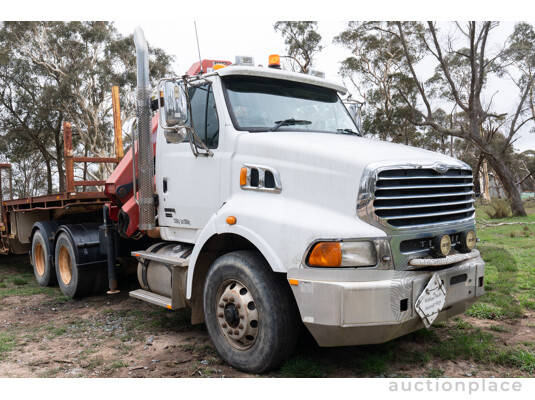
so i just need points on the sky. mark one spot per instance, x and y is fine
(240, 27)
(258, 39)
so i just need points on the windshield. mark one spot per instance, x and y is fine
(263, 104)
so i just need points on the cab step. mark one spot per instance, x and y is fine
(152, 298)
(165, 259)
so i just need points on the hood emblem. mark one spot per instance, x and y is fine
(440, 168)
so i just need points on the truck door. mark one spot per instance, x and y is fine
(189, 185)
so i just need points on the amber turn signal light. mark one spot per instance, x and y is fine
(326, 254)
(243, 176)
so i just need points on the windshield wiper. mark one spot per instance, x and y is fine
(346, 130)
(290, 121)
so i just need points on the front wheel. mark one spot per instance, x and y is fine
(250, 312)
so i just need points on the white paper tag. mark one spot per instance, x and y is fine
(431, 301)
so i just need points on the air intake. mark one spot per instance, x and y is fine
(417, 197)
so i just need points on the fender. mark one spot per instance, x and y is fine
(304, 223)
(217, 226)
(85, 238)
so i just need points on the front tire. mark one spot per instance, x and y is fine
(250, 312)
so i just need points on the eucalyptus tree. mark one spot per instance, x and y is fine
(464, 60)
(462, 73)
(51, 72)
(302, 41)
(378, 72)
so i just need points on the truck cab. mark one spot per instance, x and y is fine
(283, 185)
(262, 209)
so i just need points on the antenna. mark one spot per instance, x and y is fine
(198, 48)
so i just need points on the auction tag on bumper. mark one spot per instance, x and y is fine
(431, 300)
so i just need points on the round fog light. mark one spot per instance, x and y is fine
(442, 245)
(467, 241)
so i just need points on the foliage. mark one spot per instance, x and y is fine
(302, 43)
(452, 103)
(377, 62)
(52, 72)
(499, 209)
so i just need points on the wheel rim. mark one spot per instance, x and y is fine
(237, 314)
(39, 259)
(65, 267)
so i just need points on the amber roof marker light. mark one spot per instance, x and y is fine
(274, 61)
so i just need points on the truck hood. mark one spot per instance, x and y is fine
(322, 149)
(323, 168)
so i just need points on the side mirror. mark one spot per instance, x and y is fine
(175, 135)
(173, 110)
(354, 108)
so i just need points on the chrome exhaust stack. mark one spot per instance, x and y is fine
(145, 156)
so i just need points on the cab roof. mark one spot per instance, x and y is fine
(279, 74)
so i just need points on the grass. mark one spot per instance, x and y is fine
(510, 295)
(473, 344)
(55, 331)
(375, 364)
(116, 365)
(521, 358)
(302, 367)
(498, 328)
(485, 311)
(7, 343)
(435, 373)
(23, 282)
(509, 279)
(94, 363)
(20, 280)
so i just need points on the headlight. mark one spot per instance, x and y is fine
(343, 254)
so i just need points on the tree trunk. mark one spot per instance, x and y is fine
(509, 186)
(484, 183)
(50, 186)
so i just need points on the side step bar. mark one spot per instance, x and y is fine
(147, 255)
(175, 264)
(152, 298)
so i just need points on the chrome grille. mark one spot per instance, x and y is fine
(414, 197)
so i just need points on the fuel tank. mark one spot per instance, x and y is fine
(162, 278)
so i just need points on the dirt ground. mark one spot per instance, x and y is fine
(48, 335)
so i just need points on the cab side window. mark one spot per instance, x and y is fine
(204, 113)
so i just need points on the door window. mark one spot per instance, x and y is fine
(205, 120)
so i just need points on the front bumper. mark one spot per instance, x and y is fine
(351, 307)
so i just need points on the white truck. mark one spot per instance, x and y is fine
(267, 211)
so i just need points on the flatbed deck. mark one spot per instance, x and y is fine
(55, 201)
(19, 215)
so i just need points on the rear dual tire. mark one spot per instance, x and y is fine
(43, 268)
(73, 280)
